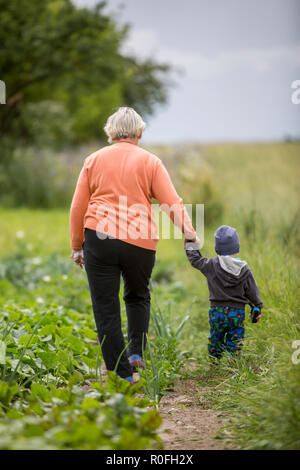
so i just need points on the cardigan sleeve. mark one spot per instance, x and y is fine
(78, 209)
(165, 193)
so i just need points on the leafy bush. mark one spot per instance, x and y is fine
(49, 354)
(68, 418)
(46, 356)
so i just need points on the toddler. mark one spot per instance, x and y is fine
(231, 286)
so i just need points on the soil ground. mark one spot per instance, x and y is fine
(186, 424)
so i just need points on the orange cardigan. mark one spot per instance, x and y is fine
(113, 196)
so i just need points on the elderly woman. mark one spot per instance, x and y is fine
(113, 233)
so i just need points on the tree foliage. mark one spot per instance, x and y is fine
(65, 73)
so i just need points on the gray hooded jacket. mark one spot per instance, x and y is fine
(230, 280)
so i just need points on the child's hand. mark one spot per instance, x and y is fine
(196, 241)
(255, 314)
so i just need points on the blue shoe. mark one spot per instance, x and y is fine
(129, 379)
(136, 361)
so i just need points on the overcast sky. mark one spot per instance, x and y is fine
(238, 60)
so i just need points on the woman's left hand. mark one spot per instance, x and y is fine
(78, 258)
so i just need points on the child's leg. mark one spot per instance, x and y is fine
(218, 325)
(236, 331)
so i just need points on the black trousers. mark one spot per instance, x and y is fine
(105, 261)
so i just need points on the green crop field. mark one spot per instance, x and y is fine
(52, 391)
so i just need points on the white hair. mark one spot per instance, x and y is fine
(124, 123)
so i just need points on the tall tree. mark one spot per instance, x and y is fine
(60, 60)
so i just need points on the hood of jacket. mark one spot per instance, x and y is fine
(231, 265)
(230, 271)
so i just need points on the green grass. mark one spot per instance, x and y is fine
(256, 187)
(259, 187)
(260, 393)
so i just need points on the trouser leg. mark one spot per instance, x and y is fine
(137, 264)
(217, 322)
(236, 331)
(103, 274)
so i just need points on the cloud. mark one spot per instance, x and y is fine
(144, 43)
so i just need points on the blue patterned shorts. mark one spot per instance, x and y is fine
(227, 330)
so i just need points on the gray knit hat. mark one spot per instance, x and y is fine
(226, 241)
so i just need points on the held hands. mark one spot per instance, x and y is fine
(78, 258)
(194, 240)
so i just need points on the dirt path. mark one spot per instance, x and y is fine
(186, 424)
